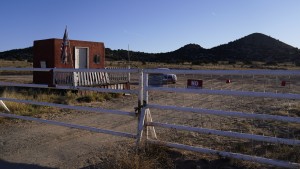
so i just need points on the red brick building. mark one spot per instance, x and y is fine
(82, 54)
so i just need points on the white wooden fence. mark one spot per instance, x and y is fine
(120, 76)
(91, 78)
(81, 78)
(146, 122)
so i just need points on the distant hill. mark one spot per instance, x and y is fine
(254, 47)
(18, 54)
(257, 47)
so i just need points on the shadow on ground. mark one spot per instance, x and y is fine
(193, 164)
(205, 164)
(9, 165)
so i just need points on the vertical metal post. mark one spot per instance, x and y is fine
(141, 90)
(144, 114)
(148, 117)
(128, 65)
(146, 94)
(141, 111)
(128, 75)
(141, 124)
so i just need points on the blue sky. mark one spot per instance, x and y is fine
(148, 26)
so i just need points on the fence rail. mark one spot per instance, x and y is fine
(228, 92)
(104, 90)
(92, 129)
(227, 133)
(83, 79)
(227, 72)
(262, 160)
(63, 106)
(233, 93)
(228, 113)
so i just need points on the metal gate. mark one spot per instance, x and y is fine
(220, 86)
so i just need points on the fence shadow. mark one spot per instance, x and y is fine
(10, 165)
(222, 163)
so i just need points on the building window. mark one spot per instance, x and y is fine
(97, 59)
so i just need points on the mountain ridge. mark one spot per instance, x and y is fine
(253, 47)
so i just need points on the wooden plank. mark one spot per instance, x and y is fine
(84, 79)
(89, 78)
(79, 78)
(101, 77)
(107, 78)
(94, 78)
(97, 78)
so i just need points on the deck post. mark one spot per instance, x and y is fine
(52, 75)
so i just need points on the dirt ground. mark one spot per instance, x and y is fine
(30, 144)
(25, 144)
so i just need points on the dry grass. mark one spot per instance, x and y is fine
(9, 63)
(188, 65)
(47, 95)
(15, 64)
(125, 156)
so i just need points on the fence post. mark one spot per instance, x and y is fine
(75, 78)
(145, 112)
(128, 78)
(145, 92)
(141, 90)
(52, 75)
(140, 110)
(141, 123)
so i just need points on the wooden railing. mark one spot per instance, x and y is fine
(90, 78)
(81, 78)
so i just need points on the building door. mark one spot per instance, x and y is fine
(81, 58)
(81, 62)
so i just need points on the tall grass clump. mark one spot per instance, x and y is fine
(21, 108)
(127, 157)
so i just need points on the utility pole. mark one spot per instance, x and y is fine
(128, 65)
